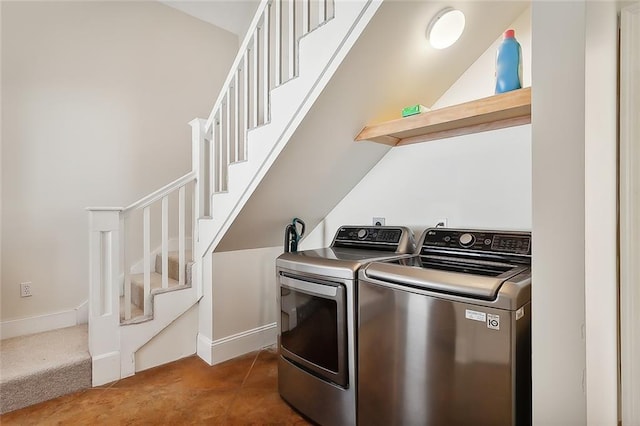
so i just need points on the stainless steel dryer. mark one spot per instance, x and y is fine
(316, 330)
(444, 337)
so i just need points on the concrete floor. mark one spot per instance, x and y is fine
(238, 392)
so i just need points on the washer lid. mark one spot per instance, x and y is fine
(411, 272)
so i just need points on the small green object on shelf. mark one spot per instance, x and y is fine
(413, 110)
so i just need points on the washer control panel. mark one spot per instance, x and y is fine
(479, 241)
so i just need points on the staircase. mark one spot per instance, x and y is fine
(288, 56)
(174, 278)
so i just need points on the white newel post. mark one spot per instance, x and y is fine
(104, 293)
(203, 167)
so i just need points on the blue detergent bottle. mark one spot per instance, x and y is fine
(509, 64)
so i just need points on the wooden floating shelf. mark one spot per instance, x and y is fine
(495, 112)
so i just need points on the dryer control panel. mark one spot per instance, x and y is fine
(387, 238)
(373, 234)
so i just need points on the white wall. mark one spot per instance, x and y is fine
(629, 214)
(601, 284)
(96, 97)
(481, 180)
(243, 294)
(244, 290)
(477, 181)
(558, 156)
(574, 213)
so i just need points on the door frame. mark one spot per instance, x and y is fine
(629, 214)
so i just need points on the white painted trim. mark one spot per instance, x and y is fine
(600, 213)
(47, 322)
(204, 348)
(220, 350)
(82, 313)
(629, 213)
(105, 368)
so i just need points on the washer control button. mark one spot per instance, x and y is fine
(466, 240)
(362, 233)
(487, 241)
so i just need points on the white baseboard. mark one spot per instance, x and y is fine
(105, 368)
(40, 323)
(220, 350)
(204, 348)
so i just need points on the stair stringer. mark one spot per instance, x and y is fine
(320, 54)
(167, 308)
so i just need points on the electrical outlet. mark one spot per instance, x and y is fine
(442, 223)
(25, 289)
(378, 221)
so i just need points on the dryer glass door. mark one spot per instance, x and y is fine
(313, 327)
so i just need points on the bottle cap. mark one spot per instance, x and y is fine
(510, 33)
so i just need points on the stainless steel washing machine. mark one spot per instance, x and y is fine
(316, 330)
(444, 337)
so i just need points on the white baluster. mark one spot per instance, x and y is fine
(265, 65)
(236, 115)
(165, 241)
(306, 17)
(254, 83)
(181, 238)
(146, 232)
(222, 159)
(245, 104)
(277, 44)
(227, 125)
(292, 39)
(322, 11)
(214, 156)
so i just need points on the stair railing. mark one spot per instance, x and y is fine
(112, 224)
(267, 58)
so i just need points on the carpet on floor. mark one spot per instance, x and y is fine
(43, 366)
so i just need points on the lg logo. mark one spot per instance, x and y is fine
(493, 322)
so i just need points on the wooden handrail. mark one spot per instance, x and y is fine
(157, 195)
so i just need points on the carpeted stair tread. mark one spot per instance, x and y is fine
(137, 287)
(135, 311)
(156, 281)
(173, 261)
(42, 366)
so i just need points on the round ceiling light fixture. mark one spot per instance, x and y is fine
(445, 28)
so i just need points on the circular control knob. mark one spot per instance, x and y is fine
(362, 233)
(467, 240)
